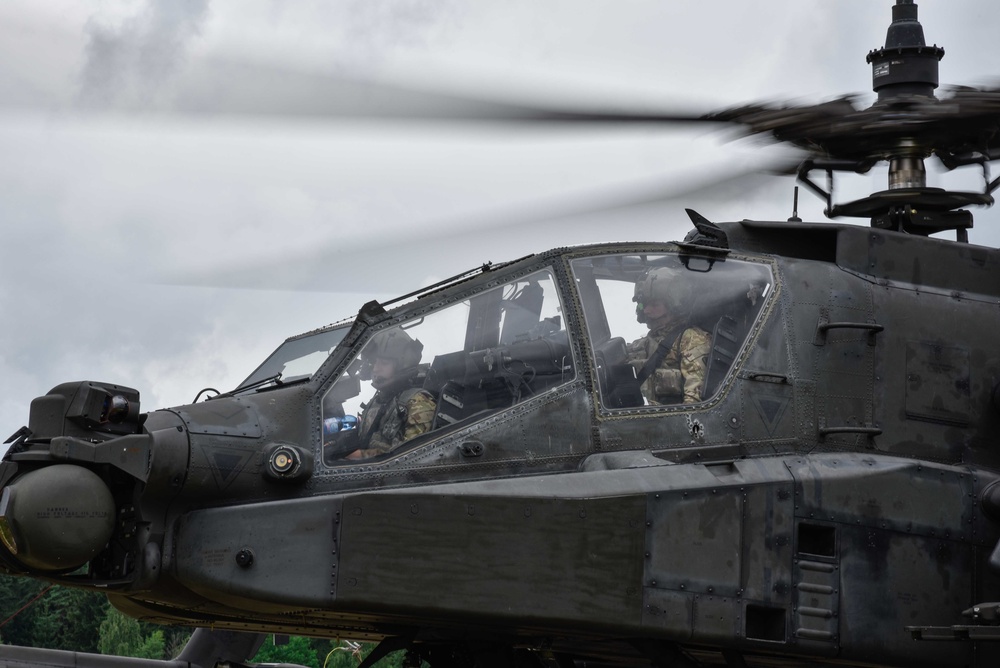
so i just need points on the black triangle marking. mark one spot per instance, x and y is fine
(770, 409)
(226, 464)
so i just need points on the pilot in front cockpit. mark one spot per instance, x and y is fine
(401, 409)
(671, 360)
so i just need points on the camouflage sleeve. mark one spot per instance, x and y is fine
(367, 453)
(419, 415)
(635, 353)
(377, 445)
(695, 346)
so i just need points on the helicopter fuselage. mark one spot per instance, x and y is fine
(830, 498)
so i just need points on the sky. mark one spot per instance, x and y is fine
(178, 198)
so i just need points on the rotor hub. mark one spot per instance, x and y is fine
(905, 65)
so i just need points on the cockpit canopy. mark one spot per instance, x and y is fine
(715, 300)
(297, 358)
(461, 362)
(436, 366)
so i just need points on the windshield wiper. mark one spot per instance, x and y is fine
(276, 379)
(270, 383)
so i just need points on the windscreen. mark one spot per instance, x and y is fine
(298, 357)
(450, 366)
(666, 329)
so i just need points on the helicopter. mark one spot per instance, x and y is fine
(825, 494)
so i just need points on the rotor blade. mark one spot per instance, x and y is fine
(209, 88)
(962, 127)
(441, 248)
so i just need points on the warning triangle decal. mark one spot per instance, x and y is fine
(771, 409)
(226, 463)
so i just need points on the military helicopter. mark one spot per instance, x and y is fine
(820, 490)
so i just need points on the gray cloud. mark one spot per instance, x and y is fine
(130, 64)
(96, 208)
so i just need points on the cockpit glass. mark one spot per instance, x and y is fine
(448, 366)
(298, 357)
(666, 329)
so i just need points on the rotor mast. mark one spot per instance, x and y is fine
(906, 124)
(905, 67)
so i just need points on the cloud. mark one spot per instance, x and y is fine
(97, 206)
(130, 65)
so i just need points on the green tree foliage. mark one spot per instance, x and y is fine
(15, 593)
(122, 636)
(174, 637)
(68, 619)
(322, 653)
(63, 618)
(153, 647)
(297, 650)
(72, 619)
(76, 620)
(118, 634)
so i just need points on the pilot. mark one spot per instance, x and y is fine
(401, 409)
(672, 358)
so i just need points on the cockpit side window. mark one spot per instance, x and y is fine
(666, 329)
(448, 367)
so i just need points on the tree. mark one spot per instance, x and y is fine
(18, 608)
(120, 635)
(153, 647)
(68, 619)
(297, 650)
(174, 637)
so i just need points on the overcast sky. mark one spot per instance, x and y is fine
(150, 240)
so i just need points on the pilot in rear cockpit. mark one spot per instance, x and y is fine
(671, 360)
(401, 409)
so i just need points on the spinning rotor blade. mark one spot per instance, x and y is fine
(906, 124)
(441, 248)
(216, 88)
(967, 121)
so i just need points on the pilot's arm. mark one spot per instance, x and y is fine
(695, 347)
(401, 421)
(419, 415)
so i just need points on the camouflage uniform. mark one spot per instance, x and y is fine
(388, 421)
(401, 409)
(680, 377)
